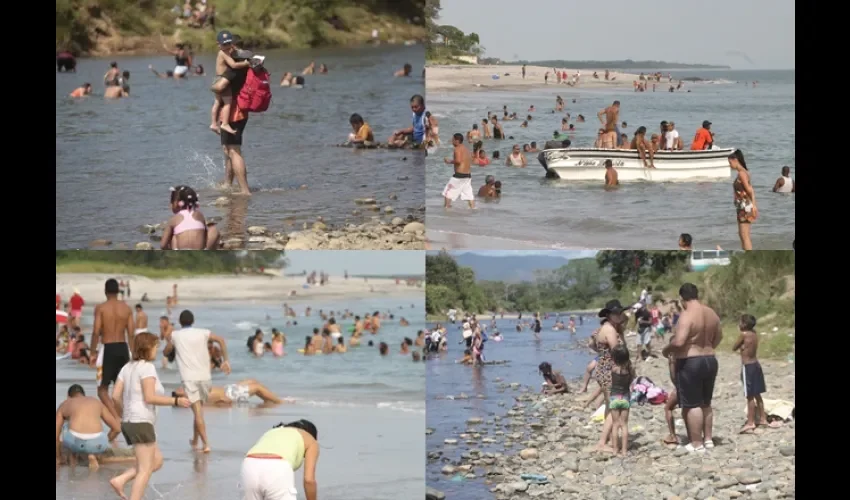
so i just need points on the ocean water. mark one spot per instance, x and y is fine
(541, 213)
(445, 377)
(123, 155)
(369, 410)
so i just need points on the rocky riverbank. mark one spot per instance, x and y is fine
(553, 436)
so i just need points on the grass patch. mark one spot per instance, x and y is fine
(116, 268)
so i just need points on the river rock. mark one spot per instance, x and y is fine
(143, 245)
(529, 454)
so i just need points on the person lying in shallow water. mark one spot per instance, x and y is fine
(188, 229)
(240, 392)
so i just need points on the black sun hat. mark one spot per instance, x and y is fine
(611, 307)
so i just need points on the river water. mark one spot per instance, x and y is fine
(486, 396)
(117, 159)
(539, 213)
(369, 410)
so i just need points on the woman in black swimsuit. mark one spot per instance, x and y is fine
(498, 133)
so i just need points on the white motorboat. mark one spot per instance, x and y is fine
(588, 164)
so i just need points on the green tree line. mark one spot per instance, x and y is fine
(261, 23)
(446, 41)
(199, 262)
(755, 282)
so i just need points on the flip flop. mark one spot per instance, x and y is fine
(747, 430)
(772, 425)
(665, 441)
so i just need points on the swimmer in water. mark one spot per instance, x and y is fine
(383, 348)
(81, 91)
(277, 343)
(340, 345)
(240, 392)
(362, 131)
(309, 350)
(286, 79)
(188, 229)
(405, 71)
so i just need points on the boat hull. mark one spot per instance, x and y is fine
(588, 165)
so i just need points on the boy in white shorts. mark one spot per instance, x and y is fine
(460, 185)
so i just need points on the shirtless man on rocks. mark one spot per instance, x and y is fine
(114, 328)
(698, 333)
(609, 117)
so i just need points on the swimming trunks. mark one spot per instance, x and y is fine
(76, 313)
(237, 393)
(228, 139)
(619, 402)
(459, 188)
(753, 378)
(197, 390)
(85, 444)
(115, 356)
(695, 378)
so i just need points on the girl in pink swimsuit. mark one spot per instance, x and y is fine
(187, 229)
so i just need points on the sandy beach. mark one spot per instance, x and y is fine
(233, 288)
(469, 77)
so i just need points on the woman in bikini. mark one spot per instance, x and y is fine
(745, 198)
(609, 336)
(187, 229)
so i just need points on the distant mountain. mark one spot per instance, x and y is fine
(509, 268)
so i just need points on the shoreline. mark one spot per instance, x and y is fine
(448, 78)
(552, 436)
(226, 288)
(151, 46)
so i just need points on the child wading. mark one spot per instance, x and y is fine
(622, 375)
(752, 375)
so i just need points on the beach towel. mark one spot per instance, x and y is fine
(777, 408)
(599, 415)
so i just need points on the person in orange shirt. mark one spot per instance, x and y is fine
(82, 91)
(362, 131)
(703, 139)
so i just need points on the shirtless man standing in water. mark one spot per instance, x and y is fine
(141, 320)
(114, 328)
(460, 185)
(698, 333)
(609, 117)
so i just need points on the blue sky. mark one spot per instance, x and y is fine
(717, 32)
(373, 262)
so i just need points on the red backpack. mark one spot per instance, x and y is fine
(256, 94)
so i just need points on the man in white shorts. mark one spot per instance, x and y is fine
(193, 362)
(460, 185)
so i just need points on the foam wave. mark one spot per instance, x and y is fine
(245, 325)
(403, 406)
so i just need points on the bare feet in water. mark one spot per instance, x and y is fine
(194, 444)
(118, 486)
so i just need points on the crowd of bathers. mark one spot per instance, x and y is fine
(126, 354)
(695, 333)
